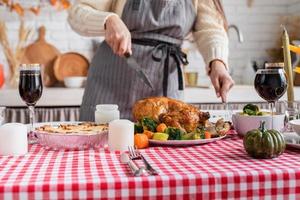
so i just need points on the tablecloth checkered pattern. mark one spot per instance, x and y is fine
(213, 171)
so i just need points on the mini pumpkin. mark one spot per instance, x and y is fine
(262, 143)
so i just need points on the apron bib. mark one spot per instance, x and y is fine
(158, 28)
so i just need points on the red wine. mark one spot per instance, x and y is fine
(30, 86)
(270, 86)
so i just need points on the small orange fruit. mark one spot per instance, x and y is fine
(141, 141)
(161, 128)
(149, 134)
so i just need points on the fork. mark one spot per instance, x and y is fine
(135, 154)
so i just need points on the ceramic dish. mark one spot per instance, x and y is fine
(242, 123)
(192, 142)
(74, 81)
(180, 143)
(70, 141)
(295, 125)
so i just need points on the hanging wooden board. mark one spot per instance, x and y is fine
(70, 64)
(43, 53)
(250, 3)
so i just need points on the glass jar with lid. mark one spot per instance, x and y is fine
(106, 113)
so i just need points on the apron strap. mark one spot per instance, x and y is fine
(162, 52)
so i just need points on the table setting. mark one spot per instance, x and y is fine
(215, 170)
(170, 149)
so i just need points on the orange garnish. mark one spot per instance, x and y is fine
(18, 9)
(6, 2)
(161, 128)
(295, 49)
(297, 70)
(35, 10)
(148, 133)
(65, 3)
(53, 2)
(207, 135)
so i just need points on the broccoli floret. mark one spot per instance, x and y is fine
(188, 136)
(138, 128)
(251, 109)
(174, 133)
(149, 124)
(199, 133)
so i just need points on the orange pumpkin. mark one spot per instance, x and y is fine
(1, 76)
(141, 141)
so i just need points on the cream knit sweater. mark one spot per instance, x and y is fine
(87, 17)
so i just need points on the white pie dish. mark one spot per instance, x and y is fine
(70, 141)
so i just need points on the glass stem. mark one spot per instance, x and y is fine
(272, 106)
(31, 117)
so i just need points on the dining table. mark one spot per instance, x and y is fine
(218, 170)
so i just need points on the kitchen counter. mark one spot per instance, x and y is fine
(57, 97)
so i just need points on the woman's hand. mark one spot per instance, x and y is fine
(220, 79)
(117, 35)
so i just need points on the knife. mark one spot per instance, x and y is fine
(149, 168)
(135, 66)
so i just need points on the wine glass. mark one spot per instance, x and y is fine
(30, 90)
(2, 115)
(292, 112)
(270, 84)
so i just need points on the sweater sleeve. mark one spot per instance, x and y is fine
(210, 34)
(87, 17)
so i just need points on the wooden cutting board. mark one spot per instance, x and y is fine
(70, 64)
(44, 53)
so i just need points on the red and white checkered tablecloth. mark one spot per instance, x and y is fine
(213, 171)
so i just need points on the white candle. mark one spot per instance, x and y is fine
(120, 135)
(13, 139)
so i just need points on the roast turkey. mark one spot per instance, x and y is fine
(172, 112)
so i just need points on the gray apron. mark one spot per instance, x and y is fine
(158, 28)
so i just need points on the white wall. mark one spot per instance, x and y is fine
(259, 24)
(58, 32)
(294, 7)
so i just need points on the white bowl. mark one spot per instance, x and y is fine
(74, 81)
(295, 125)
(242, 124)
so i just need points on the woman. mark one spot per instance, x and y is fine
(151, 31)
